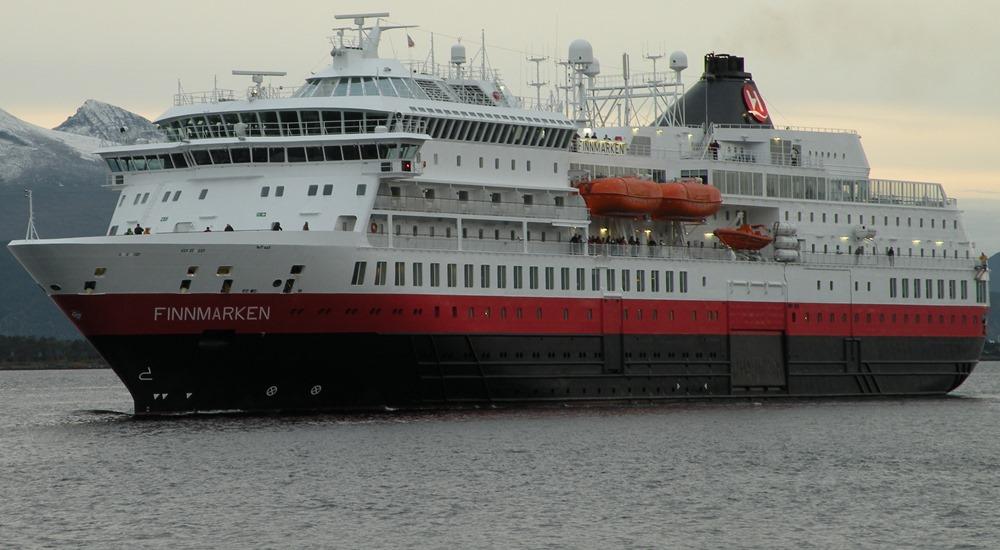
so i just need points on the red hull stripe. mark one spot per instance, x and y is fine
(124, 314)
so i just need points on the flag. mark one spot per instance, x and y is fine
(409, 42)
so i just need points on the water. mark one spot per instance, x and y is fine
(888, 473)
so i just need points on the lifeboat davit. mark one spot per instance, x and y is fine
(631, 197)
(744, 237)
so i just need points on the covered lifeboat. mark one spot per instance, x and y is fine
(744, 237)
(631, 197)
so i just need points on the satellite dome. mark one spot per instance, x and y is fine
(593, 69)
(458, 53)
(581, 52)
(678, 61)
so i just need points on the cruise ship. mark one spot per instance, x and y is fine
(392, 236)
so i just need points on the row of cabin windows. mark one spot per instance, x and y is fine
(246, 155)
(499, 133)
(486, 312)
(872, 219)
(900, 288)
(869, 317)
(265, 191)
(486, 276)
(857, 285)
(274, 124)
(496, 163)
(336, 122)
(897, 251)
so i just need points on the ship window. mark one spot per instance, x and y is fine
(458, 160)
(258, 154)
(452, 275)
(296, 154)
(529, 200)
(533, 277)
(179, 160)
(279, 191)
(683, 281)
(201, 157)
(203, 194)
(177, 195)
(265, 191)
(555, 167)
(668, 281)
(518, 276)
(513, 164)
(611, 280)
(166, 196)
(333, 153)
(312, 190)
(892, 287)
(276, 154)
(145, 197)
(484, 276)
(327, 190)
(468, 275)
(185, 286)
(626, 281)
(351, 152)
(369, 151)
(501, 276)
(138, 197)
(240, 155)
(550, 278)
(581, 278)
(480, 162)
(362, 188)
(496, 164)
(380, 273)
(227, 285)
(220, 156)
(314, 154)
(435, 274)
(595, 279)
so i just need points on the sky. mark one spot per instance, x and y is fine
(918, 79)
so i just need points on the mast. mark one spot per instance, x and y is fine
(30, 234)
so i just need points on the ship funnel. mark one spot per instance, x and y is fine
(726, 93)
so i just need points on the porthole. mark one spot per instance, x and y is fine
(276, 283)
(56, 288)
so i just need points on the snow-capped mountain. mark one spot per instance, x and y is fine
(105, 121)
(27, 151)
(66, 178)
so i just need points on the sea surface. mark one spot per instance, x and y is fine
(76, 470)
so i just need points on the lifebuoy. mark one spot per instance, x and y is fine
(497, 96)
(374, 227)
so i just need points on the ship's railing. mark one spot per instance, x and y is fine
(423, 242)
(210, 96)
(219, 95)
(276, 129)
(381, 240)
(481, 208)
(790, 128)
(884, 260)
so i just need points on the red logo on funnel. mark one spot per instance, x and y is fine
(754, 103)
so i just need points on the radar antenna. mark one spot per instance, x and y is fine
(258, 78)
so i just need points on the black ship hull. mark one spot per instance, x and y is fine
(224, 371)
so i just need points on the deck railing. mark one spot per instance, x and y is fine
(382, 240)
(481, 208)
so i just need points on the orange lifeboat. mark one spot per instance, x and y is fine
(688, 200)
(744, 237)
(627, 197)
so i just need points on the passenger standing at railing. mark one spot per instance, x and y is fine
(891, 253)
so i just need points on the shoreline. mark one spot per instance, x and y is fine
(69, 365)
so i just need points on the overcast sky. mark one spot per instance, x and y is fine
(919, 80)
